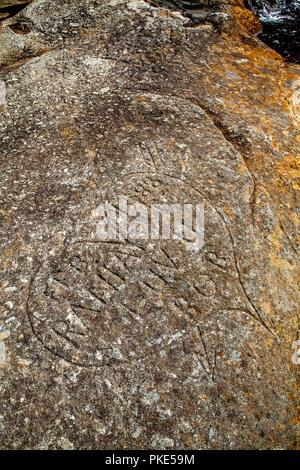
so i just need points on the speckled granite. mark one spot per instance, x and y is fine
(134, 344)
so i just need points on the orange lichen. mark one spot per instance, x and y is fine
(247, 19)
(67, 132)
(142, 99)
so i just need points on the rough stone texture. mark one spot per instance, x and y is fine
(131, 344)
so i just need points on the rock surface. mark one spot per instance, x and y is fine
(280, 21)
(131, 344)
(13, 3)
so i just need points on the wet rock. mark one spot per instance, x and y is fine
(133, 343)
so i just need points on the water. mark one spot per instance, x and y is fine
(280, 21)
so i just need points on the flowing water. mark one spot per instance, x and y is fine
(280, 21)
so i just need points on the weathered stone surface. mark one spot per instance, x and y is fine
(134, 344)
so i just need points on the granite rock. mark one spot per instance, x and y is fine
(138, 344)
